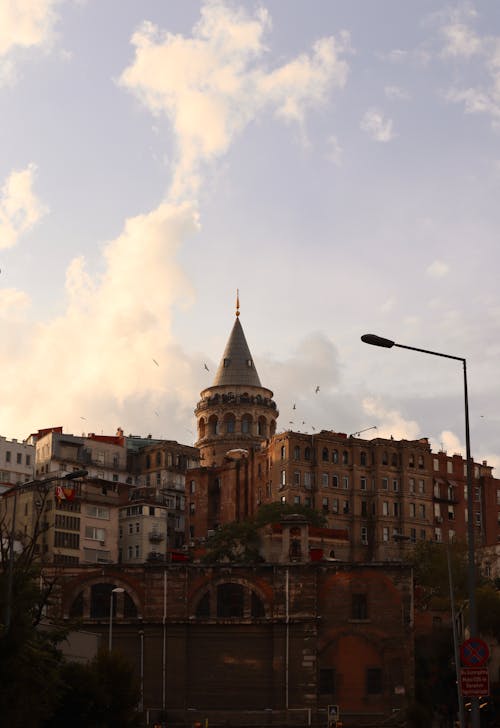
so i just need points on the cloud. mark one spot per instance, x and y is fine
(390, 421)
(210, 86)
(438, 269)
(377, 126)
(20, 208)
(23, 25)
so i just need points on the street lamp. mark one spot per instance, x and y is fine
(375, 340)
(116, 590)
(16, 488)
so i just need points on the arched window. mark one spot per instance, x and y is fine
(296, 452)
(100, 601)
(213, 423)
(129, 608)
(272, 428)
(345, 457)
(307, 453)
(420, 461)
(230, 600)
(324, 454)
(76, 609)
(230, 423)
(158, 458)
(394, 460)
(246, 424)
(201, 428)
(148, 461)
(262, 426)
(411, 460)
(335, 456)
(283, 452)
(385, 458)
(362, 458)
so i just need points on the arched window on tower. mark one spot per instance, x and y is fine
(246, 424)
(262, 426)
(201, 428)
(230, 423)
(213, 424)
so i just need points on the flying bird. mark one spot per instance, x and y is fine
(82, 418)
(205, 365)
(317, 389)
(156, 362)
(156, 413)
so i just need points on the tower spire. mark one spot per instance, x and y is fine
(237, 302)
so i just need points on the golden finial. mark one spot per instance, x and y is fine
(237, 302)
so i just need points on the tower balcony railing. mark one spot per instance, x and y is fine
(238, 400)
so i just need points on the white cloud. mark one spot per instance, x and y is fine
(388, 304)
(20, 208)
(24, 24)
(449, 443)
(390, 421)
(438, 269)
(460, 40)
(377, 126)
(213, 84)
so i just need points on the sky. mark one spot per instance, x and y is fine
(338, 162)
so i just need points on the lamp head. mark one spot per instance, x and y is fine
(375, 340)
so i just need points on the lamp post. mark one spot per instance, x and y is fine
(116, 590)
(375, 340)
(20, 487)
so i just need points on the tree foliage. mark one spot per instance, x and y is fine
(239, 541)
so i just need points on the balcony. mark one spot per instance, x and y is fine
(156, 536)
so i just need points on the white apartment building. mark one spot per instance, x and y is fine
(17, 462)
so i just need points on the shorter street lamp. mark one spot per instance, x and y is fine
(116, 590)
(375, 340)
(16, 489)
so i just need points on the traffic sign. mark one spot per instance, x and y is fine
(474, 682)
(474, 652)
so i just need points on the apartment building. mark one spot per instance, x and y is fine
(17, 462)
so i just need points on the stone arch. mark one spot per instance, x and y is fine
(229, 423)
(247, 424)
(272, 428)
(201, 427)
(262, 426)
(230, 599)
(213, 425)
(91, 599)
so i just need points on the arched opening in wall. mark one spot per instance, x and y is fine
(272, 428)
(362, 458)
(201, 428)
(324, 454)
(76, 608)
(213, 425)
(262, 426)
(229, 423)
(385, 458)
(394, 460)
(230, 600)
(307, 453)
(158, 457)
(246, 424)
(345, 458)
(335, 456)
(203, 607)
(100, 601)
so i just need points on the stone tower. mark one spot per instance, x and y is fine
(236, 412)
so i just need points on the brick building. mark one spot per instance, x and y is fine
(264, 645)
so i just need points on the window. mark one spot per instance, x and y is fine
(345, 482)
(435, 464)
(394, 460)
(98, 511)
(283, 478)
(412, 510)
(364, 535)
(359, 606)
(131, 528)
(307, 453)
(324, 480)
(335, 456)
(362, 483)
(411, 460)
(283, 452)
(385, 534)
(396, 509)
(327, 681)
(325, 504)
(19, 458)
(335, 481)
(362, 458)
(230, 599)
(335, 505)
(296, 500)
(421, 462)
(28, 459)
(413, 535)
(364, 508)
(137, 551)
(421, 510)
(245, 425)
(421, 486)
(345, 458)
(345, 508)
(385, 483)
(411, 485)
(373, 681)
(7, 456)
(96, 534)
(324, 454)
(385, 458)
(307, 480)
(296, 477)
(449, 466)
(385, 508)
(296, 452)
(66, 540)
(395, 485)
(137, 527)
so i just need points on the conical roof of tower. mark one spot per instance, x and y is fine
(237, 367)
